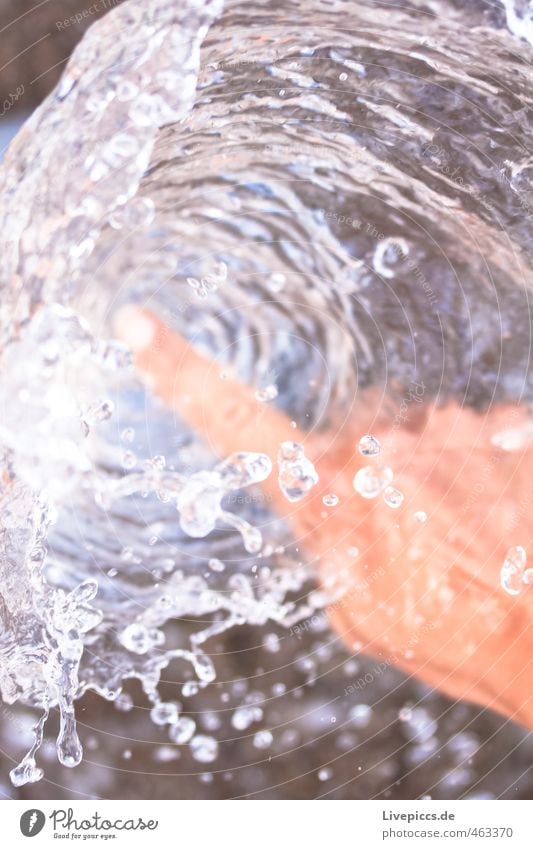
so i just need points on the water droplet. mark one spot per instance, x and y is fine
(512, 571)
(297, 475)
(129, 460)
(421, 516)
(136, 638)
(369, 446)
(263, 739)
(245, 716)
(124, 702)
(127, 435)
(204, 749)
(330, 500)
(269, 393)
(244, 468)
(271, 643)
(182, 730)
(199, 504)
(216, 565)
(325, 774)
(27, 772)
(393, 497)
(370, 482)
(360, 715)
(276, 282)
(343, 77)
(164, 713)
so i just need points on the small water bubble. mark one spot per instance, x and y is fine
(370, 482)
(216, 565)
(343, 77)
(369, 446)
(204, 749)
(325, 774)
(528, 577)
(421, 516)
(512, 571)
(393, 497)
(269, 393)
(330, 500)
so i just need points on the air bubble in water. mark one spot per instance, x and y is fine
(421, 516)
(325, 774)
(393, 497)
(370, 481)
(369, 446)
(330, 500)
(297, 475)
(216, 565)
(512, 571)
(204, 749)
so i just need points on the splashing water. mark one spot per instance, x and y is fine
(334, 193)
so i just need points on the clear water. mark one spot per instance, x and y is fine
(319, 151)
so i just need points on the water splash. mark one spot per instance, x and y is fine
(116, 192)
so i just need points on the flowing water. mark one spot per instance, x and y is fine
(295, 187)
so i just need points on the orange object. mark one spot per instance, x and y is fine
(423, 596)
